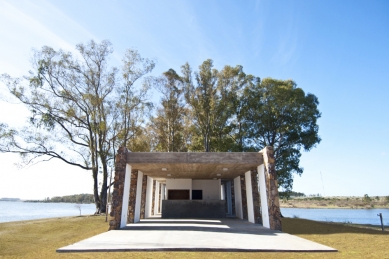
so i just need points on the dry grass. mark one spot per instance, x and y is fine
(40, 239)
(339, 202)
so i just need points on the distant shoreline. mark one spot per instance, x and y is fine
(351, 202)
(83, 198)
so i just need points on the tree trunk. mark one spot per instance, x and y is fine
(103, 193)
(95, 172)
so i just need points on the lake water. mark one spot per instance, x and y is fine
(15, 211)
(356, 216)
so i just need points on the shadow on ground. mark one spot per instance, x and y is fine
(308, 227)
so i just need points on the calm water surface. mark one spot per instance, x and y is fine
(15, 211)
(356, 216)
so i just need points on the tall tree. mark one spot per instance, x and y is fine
(227, 133)
(202, 97)
(168, 123)
(75, 109)
(279, 114)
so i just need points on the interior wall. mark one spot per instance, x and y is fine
(210, 188)
(179, 184)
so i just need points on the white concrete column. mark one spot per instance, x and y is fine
(138, 199)
(263, 194)
(238, 198)
(156, 198)
(222, 190)
(149, 197)
(249, 197)
(126, 196)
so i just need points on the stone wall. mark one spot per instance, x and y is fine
(256, 197)
(273, 200)
(159, 198)
(143, 199)
(244, 196)
(118, 188)
(233, 197)
(153, 198)
(132, 198)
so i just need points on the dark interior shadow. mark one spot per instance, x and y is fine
(236, 226)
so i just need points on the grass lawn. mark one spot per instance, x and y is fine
(40, 239)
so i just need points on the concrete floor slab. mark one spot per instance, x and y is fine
(195, 235)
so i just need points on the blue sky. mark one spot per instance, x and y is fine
(337, 50)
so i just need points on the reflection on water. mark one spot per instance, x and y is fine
(15, 211)
(356, 216)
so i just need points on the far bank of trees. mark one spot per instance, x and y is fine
(75, 198)
(83, 109)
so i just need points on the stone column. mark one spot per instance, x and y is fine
(244, 196)
(256, 197)
(153, 199)
(143, 202)
(132, 196)
(118, 188)
(233, 197)
(228, 197)
(273, 202)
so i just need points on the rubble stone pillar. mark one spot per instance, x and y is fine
(118, 188)
(256, 197)
(143, 202)
(132, 197)
(273, 202)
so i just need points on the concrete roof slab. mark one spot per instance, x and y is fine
(199, 165)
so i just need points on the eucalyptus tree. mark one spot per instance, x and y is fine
(75, 102)
(168, 124)
(201, 96)
(279, 114)
(227, 131)
(214, 98)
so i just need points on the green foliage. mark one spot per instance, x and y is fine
(366, 198)
(170, 125)
(289, 194)
(76, 198)
(81, 109)
(279, 114)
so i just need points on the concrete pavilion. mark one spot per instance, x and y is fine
(195, 185)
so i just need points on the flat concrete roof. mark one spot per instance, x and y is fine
(194, 165)
(195, 235)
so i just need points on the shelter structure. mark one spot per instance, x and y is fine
(195, 185)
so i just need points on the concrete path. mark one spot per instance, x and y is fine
(195, 235)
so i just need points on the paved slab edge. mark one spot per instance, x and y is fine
(189, 249)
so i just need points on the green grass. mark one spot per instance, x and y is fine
(41, 238)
